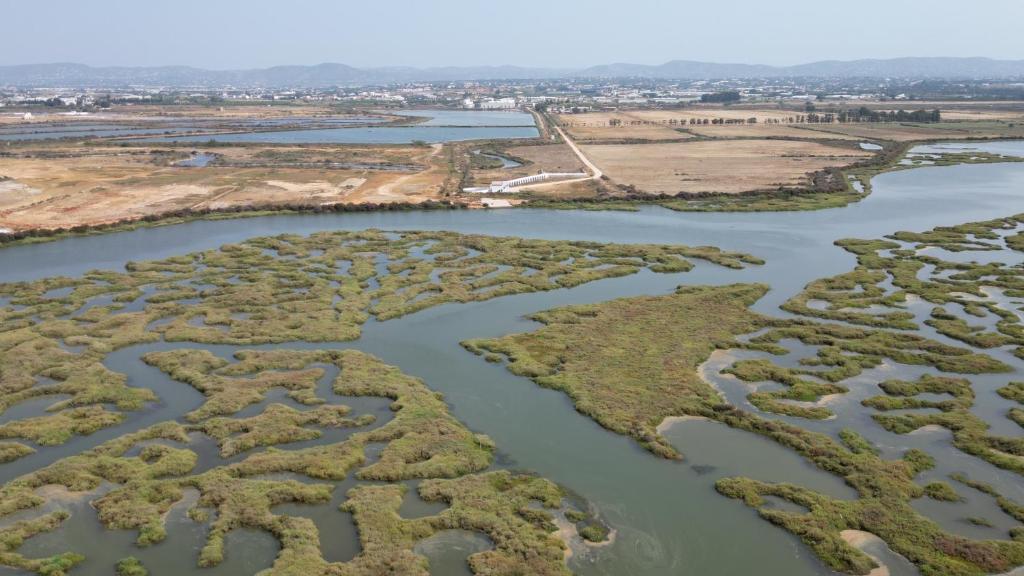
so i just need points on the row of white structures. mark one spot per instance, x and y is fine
(500, 186)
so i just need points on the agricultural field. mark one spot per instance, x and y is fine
(762, 115)
(980, 115)
(763, 131)
(734, 150)
(907, 132)
(724, 166)
(597, 126)
(656, 125)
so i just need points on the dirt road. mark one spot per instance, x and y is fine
(595, 172)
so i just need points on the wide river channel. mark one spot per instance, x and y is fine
(667, 517)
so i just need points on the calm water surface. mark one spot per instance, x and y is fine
(368, 135)
(89, 129)
(470, 117)
(667, 516)
(442, 126)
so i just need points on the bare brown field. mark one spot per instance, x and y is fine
(764, 131)
(102, 185)
(726, 166)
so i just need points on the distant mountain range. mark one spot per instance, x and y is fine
(330, 74)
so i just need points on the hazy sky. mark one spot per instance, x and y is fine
(556, 33)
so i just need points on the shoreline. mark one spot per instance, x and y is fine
(569, 536)
(858, 539)
(669, 421)
(43, 235)
(38, 235)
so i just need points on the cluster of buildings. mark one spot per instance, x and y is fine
(563, 95)
(490, 104)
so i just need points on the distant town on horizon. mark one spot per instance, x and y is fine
(341, 74)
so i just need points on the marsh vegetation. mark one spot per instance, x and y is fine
(634, 363)
(56, 334)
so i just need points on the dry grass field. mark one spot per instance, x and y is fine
(656, 124)
(764, 131)
(899, 132)
(982, 115)
(549, 158)
(726, 166)
(100, 185)
(684, 115)
(951, 110)
(662, 124)
(764, 155)
(597, 126)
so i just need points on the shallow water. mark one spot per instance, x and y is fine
(505, 162)
(49, 131)
(469, 117)
(442, 126)
(366, 135)
(448, 550)
(667, 516)
(75, 132)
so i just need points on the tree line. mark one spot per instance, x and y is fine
(721, 97)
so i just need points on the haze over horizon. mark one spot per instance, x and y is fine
(258, 33)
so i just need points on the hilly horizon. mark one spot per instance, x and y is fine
(337, 74)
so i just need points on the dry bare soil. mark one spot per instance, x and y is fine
(60, 186)
(727, 166)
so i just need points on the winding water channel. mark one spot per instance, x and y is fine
(667, 517)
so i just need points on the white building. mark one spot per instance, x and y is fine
(498, 104)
